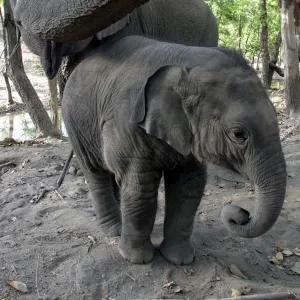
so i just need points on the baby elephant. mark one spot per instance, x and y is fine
(139, 109)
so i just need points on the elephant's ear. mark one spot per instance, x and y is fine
(158, 109)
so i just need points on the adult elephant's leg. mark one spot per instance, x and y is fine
(138, 206)
(101, 187)
(184, 188)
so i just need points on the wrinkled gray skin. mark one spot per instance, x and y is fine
(154, 109)
(51, 53)
(181, 21)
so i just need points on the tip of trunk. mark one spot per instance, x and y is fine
(238, 221)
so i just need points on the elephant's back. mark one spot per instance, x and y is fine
(120, 69)
(184, 22)
(140, 57)
(116, 73)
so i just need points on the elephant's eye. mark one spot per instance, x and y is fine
(237, 135)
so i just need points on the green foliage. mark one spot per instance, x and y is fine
(239, 24)
(6, 295)
(28, 129)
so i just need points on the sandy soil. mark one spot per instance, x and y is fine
(48, 244)
(53, 244)
(36, 75)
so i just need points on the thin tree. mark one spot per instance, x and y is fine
(297, 25)
(52, 84)
(290, 57)
(265, 58)
(17, 74)
(5, 68)
(239, 34)
(274, 59)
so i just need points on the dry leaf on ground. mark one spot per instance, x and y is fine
(287, 252)
(178, 290)
(235, 293)
(275, 261)
(173, 288)
(243, 290)
(279, 256)
(19, 286)
(296, 268)
(189, 272)
(235, 271)
(169, 284)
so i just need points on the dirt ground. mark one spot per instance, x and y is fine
(52, 244)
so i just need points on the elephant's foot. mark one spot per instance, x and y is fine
(108, 220)
(111, 230)
(110, 225)
(178, 252)
(140, 252)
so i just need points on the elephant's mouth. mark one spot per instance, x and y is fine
(240, 172)
(232, 167)
(52, 58)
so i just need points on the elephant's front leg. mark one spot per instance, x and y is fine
(138, 207)
(103, 193)
(183, 191)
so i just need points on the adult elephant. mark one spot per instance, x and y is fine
(184, 22)
(50, 52)
(184, 106)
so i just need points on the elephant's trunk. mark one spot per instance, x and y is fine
(270, 181)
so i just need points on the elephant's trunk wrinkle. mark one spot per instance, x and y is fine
(266, 164)
(269, 175)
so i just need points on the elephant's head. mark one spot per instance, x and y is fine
(220, 112)
(50, 52)
(70, 25)
(53, 20)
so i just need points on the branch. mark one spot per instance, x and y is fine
(269, 296)
(7, 164)
(41, 195)
(277, 69)
(64, 171)
(291, 131)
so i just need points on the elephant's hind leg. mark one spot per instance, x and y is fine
(183, 189)
(102, 190)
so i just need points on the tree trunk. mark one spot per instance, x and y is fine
(274, 56)
(252, 59)
(249, 33)
(265, 59)
(66, 68)
(9, 93)
(52, 83)
(17, 74)
(11, 126)
(291, 60)
(297, 25)
(240, 34)
(257, 62)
